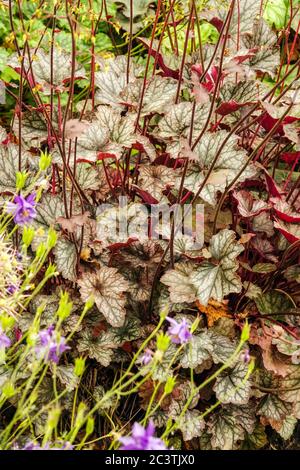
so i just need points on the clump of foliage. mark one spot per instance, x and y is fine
(168, 102)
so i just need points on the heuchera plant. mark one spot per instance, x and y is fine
(196, 103)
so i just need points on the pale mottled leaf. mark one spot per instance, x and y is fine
(159, 93)
(247, 205)
(65, 374)
(111, 80)
(231, 387)
(218, 280)
(197, 350)
(108, 287)
(100, 348)
(229, 163)
(180, 285)
(66, 258)
(272, 407)
(191, 425)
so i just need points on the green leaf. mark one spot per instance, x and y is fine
(273, 302)
(292, 273)
(130, 331)
(255, 440)
(276, 13)
(264, 268)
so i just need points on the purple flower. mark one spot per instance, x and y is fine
(11, 289)
(146, 357)
(142, 439)
(30, 445)
(5, 342)
(179, 332)
(245, 356)
(51, 345)
(23, 209)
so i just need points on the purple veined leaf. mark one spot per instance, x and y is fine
(263, 223)
(100, 348)
(230, 425)
(180, 284)
(242, 19)
(66, 259)
(216, 280)
(9, 166)
(189, 282)
(236, 95)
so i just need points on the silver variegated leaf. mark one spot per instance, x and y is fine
(9, 166)
(56, 67)
(159, 93)
(288, 427)
(273, 408)
(232, 387)
(66, 258)
(48, 210)
(219, 279)
(267, 58)
(191, 425)
(179, 282)
(111, 80)
(273, 302)
(65, 374)
(230, 162)
(108, 287)
(175, 125)
(223, 347)
(100, 348)
(197, 350)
